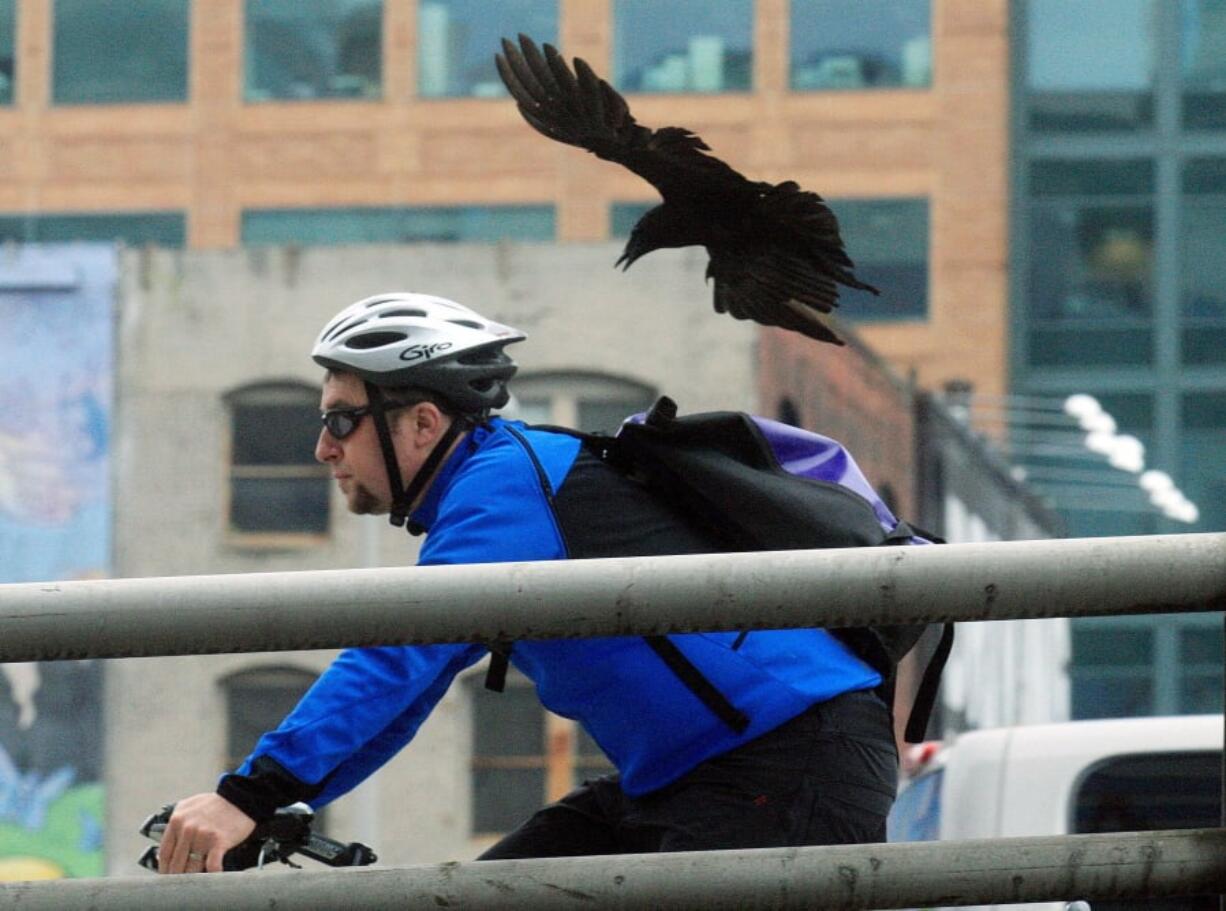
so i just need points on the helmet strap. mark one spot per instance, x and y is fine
(378, 414)
(403, 497)
(429, 468)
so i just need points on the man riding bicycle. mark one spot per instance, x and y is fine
(804, 755)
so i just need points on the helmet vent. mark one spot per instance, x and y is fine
(343, 326)
(406, 311)
(467, 322)
(375, 340)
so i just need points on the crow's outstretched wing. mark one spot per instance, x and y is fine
(776, 254)
(581, 109)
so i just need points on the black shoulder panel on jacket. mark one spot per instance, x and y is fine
(605, 513)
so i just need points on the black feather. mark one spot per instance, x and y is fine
(776, 254)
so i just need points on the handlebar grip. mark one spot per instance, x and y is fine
(287, 832)
(335, 853)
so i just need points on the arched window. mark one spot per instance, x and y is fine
(581, 399)
(278, 492)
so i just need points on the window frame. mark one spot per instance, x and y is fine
(269, 540)
(559, 755)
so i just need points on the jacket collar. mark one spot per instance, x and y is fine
(427, 511)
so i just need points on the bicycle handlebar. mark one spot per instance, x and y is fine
(287, 833)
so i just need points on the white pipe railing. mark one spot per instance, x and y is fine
(831, 588)
(631, 596)
(843, 878)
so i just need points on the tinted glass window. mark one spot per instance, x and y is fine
(1112, 670)
(1092, 177)
(1150, 793)
(683, 45)
(166, 229)
(397, 225)
(1202, 474)
(273, 433)
(8, 69)
(1090, 64)
(120, 51)
(1203, 58)
(456, 41)
(1091, 280)
(1200, 669)
(301, 49)
(856, 44)
(887, 239)
(1202, 267)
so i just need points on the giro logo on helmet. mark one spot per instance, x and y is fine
(420, 352)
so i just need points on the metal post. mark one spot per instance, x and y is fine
(584, 598)
(845, 878)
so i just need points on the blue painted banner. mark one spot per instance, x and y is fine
(57, 312)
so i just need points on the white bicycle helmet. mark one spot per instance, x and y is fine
(405, 339)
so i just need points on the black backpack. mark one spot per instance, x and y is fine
(754, 485)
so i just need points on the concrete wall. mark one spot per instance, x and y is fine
(194, 325)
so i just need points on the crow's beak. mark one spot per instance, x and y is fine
(632, 252)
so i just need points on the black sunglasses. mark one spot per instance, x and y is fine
(340, 422)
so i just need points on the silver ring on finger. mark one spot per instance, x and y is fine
(192, 855)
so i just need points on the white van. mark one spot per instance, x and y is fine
(1129, 775)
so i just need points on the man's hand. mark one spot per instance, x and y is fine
(203, 828)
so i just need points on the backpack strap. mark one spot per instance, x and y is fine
(930, 682)
(926, 695)
(496, 674)
(698, 684)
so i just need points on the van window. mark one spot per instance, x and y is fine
(1150, 792)
(916, 815)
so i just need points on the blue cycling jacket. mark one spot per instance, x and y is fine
(511, 493)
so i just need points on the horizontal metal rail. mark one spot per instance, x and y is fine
(1092, 867)
(583, 598)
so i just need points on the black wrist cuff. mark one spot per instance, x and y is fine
(264, 789)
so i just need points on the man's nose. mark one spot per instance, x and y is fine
(326, 447)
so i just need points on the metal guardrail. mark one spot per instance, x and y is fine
(278, 611)
(845, 878)
(632, 596)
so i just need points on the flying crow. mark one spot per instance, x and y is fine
(776, 254)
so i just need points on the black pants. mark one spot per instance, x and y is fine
(826, 777)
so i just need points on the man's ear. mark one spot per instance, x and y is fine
(427, 423)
